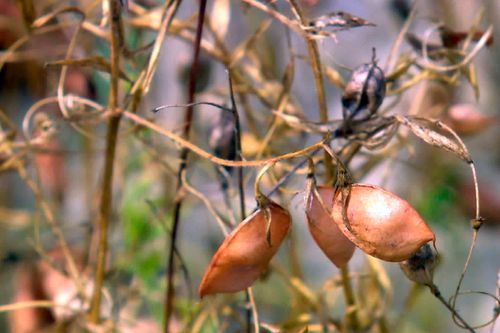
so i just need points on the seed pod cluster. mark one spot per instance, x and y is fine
(377, 221)
(247, 251)
(364, 92)
(340, 219)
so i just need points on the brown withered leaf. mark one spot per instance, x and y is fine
(380, 223)
(421, 127)
(337, 21)
(247, 251)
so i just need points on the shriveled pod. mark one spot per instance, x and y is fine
(246, 252)
(381, 224)
(325, 232)
(364, 92)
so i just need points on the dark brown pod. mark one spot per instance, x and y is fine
(381, 224)
(246, 252)
(325, 232)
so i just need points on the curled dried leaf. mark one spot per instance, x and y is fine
(246, 252)
(422, 128)
(380, 223)
(325, 232)
(337, 21)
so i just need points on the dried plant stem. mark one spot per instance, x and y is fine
(56, 229)
(104, 215)
(277, 15)
(399, 40)
(206, 155)
(352, 311)
(188, 117)
(435, 291)
(312, 48)
(253, 310)
(26, 305)
(168, 14)
(241, 189)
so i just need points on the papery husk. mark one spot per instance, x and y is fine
(247, 251)
(337, 247)
(380, 223)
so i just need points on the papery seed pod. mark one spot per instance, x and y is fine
(325, 232)
(420, 267)
(380, 223)
(466, 119)
(247, 251)
(364, 92)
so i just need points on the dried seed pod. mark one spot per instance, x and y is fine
(223, 137)
(325, 232)
(337, 21)
(380, 223)
(364, 92)
(420, 267)
(246, 252)
(465, 119)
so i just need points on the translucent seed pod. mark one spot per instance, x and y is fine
(380, 223)
(247, 251)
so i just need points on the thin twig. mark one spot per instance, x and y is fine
(352, 310)
(435, 291)
(214, 159)
(188, 119)
(312, 48)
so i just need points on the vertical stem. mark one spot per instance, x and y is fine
(107, 185)
(353, 321)
(312, 48)
(241, 189)
(170, 290)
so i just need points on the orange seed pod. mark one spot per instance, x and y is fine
(246, 252)
(381, 224)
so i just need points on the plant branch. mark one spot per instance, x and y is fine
(312, 48)
(214, 159)
(105, 204)
(188, 118)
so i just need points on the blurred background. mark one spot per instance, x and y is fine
(68, 168)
